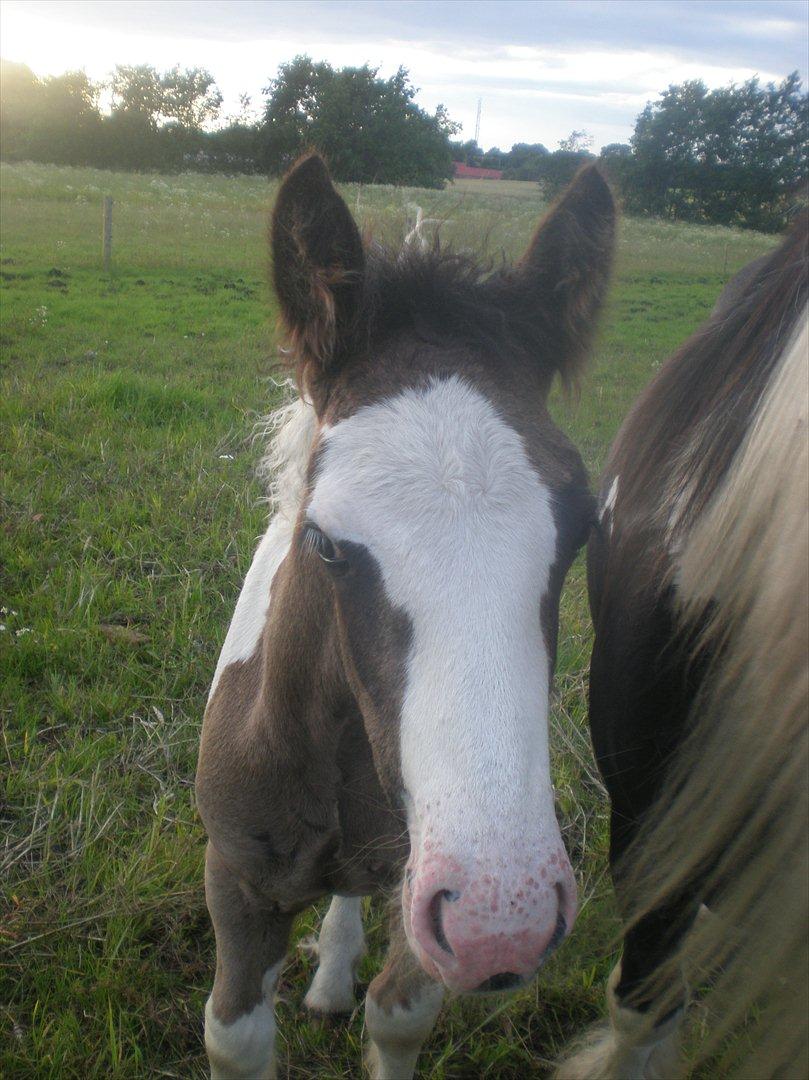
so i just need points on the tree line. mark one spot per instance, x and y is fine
(735, 155)
(371, 129)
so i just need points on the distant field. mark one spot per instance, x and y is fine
(520, 189)
(129, 514)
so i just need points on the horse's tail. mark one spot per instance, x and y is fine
(735, 816)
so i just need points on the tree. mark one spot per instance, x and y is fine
(494, 158)
(556, 170)
(137, 90)
(54, 119)
(369, 129)
(188, 97)
(70, 123)
(524, 161)
(235, 148)
(244, 117)
(577, 142)
(19, 107)
(468, 152)
(157, 118)
(734, 155)
(618, 163)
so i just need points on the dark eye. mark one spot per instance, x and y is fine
(316, 541)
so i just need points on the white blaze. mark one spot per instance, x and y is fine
(442, 493)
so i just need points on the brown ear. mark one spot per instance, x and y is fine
(317, 264)
(567, 266)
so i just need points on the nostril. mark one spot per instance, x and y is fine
(557, 937)
(498, 984)
(436, 920)
(560, 930)
(566, 899)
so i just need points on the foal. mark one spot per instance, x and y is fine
(379, 713)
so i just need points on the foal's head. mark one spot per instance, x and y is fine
(442, 512)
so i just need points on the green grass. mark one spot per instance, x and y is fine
(129, 516)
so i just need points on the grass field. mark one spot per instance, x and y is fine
(129, 516)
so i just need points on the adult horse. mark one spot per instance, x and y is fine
(379, 712)
(699, 686)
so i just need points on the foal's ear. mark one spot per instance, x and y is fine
(567, 266)
(317, 264)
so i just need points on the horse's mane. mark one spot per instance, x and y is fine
(735, 810)
(681, 437)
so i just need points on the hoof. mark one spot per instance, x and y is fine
(332, 992)
(329, 1002)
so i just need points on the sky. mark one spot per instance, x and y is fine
(540, 68)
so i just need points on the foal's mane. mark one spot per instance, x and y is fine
(440, 293)
(288, 432)
(460, 299)
(436, 294)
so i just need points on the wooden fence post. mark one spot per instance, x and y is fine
(107, 241)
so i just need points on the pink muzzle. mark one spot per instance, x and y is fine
(490, 926)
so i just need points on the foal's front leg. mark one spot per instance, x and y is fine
(401, 1008)
(340, 947)
(251, 942)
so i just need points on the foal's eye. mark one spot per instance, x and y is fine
(316, 541)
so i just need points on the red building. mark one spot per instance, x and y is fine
(471, 172)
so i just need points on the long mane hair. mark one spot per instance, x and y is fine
(734, 813)
(687, 426)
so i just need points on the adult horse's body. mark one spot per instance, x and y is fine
(699, 587)
(382, 695)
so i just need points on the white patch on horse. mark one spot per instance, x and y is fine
(292, 427)
(442, 493)
(254, 599)
(246, 1047)
(397, 1036)
(608, 505)
(340, 946)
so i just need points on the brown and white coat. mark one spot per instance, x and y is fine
(379, 712)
